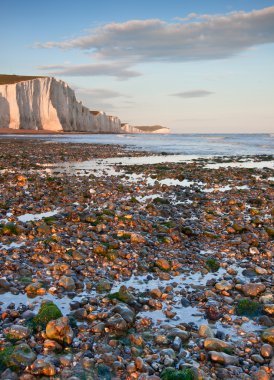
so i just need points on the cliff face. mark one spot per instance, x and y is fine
(45, 103)
(152, 129)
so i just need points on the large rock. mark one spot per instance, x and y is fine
(214, 344)
(42, 367)
(60, 330)
(222, 358)
(67, 283)
(268, 336)
(17, 332)
(126, 313)
(46, 103)
(117, 325)
(21, 357)
(252, 290)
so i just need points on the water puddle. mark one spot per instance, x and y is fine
(245, 164)
(224, 188)
(11, 245)
(31, 217)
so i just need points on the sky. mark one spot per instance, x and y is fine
(193, 66)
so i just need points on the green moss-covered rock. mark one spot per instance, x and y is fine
(173, 374)
(9, 229)
(103, 285)
(248, 308)
(212, 264)
(48, 312)
(122, 295)
(21, 357)
(5, 357)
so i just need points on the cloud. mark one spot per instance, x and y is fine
(118, 70)
(193, 94)
(210, 37)
(98, 93)
(99, 98)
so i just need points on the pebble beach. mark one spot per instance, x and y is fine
(124, 264)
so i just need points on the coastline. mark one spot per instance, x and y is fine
(148, 260)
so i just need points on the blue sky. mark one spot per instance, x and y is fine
(193, 66)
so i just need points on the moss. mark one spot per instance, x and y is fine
(9, 229)
(168, 224)
(173, 374)
(248, 308)
(212, 264)
(5, 356)
(103, 372)
(187, 230)
(161, 201)
(26, 280)
(134, 200)
(109, 212)
(47, 312)
(49, 220)
(122, 295)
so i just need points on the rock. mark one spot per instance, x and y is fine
(266, 351)
(60, 330)
(252, 290)
(264, 320)
(117, 325)
(261, 375)
(4, 284)
(137, 239)
(156, 293)
(177, 343)
(103, 286)
(268, 336)
(185, 302)
(123, 295)
(269, 309)
(8, 374)
(257, 358)
(176, 332)
(22, 356)
(222, 358)
(163, 264)
(52, 345)
(42, 367)
(267, 298)
(67, 283)
(47, 312)
(205, 331)
(80, 314)
(212, 313)
(126, 313)
(223, 285)
(260, 270)
(17, 332)
(214, 344)
(35, 288)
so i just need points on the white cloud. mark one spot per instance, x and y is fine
(118, 70)
(211, 37)
(193, 94)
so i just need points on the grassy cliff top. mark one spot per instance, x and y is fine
(151, 128)
(11, 79)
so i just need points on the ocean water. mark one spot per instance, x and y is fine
(186, 144)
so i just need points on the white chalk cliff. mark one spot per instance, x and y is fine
(49, 104)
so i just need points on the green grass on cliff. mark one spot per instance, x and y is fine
(11, 79)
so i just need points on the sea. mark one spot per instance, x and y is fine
(183, 144)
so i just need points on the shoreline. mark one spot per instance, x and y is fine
(150, 261)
